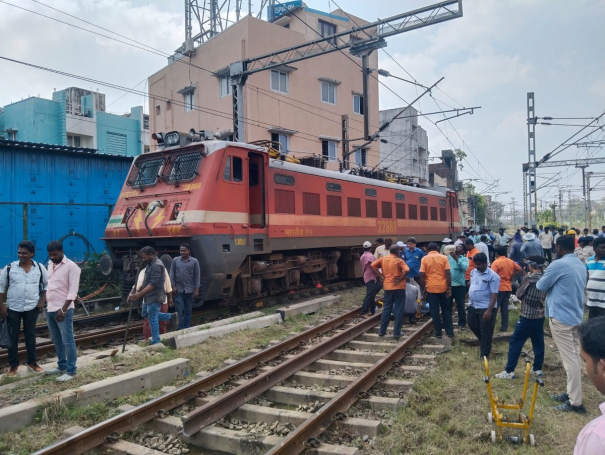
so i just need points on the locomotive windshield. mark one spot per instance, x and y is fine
(182, 167)
(145, 172)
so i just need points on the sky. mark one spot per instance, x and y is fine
(491, 57)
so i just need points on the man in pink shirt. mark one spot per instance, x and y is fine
(373, 284)
(591, 440)
(63, 282)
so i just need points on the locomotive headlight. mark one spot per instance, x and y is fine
(172, 138)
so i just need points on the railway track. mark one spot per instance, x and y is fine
(247, 407)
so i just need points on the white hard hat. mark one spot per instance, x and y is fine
(367, 244)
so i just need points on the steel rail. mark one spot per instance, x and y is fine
(295, 442)
(96, 435)
(97, 338)
(209, 413)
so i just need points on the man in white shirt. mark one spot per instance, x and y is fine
(383, 250)
(503, 239)
(545, 238)
(482, 246)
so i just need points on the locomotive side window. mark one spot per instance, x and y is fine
(145, 173)
(400, 196)
(433, 213)
(227, 171)
(282, 179)
(400, 211)
(387, 210)
(234, 169)
(284, 201)
(334, 205)
(238, 169)
(333, 187)
(423, 200)
(441, 201)
(442, 214)
(424, 212)
(371, 209)
(311, 204)
(354, 206)
(413, 208)
(371, 192)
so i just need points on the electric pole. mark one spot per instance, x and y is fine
(569, 206)
(514, 210)
(561, 205)
(531, 155)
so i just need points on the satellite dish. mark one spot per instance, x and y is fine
(105, 265)
(166, 260)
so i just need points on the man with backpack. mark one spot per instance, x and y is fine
(23, 286)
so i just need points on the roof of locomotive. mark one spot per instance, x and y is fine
(336, 175)
(216, 145)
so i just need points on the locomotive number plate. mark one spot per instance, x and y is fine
(387, 227)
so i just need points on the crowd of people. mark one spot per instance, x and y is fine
(552, 272)
(28, 287)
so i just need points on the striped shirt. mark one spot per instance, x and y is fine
(596, 282)
(532, 300)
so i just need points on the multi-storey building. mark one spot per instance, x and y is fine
(406, 150)
(301, 106)
(76, 117)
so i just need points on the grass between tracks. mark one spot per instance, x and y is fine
(446, 411)
(207, 356)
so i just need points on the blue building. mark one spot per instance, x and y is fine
(76, 117)
(49, 192)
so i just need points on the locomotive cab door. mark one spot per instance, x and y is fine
(256, 191)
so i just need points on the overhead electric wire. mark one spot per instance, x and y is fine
(164, 54)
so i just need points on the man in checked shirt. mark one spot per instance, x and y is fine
(531, 321)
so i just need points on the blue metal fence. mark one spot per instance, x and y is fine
(48, 192)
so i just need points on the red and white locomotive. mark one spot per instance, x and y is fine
(260, 225)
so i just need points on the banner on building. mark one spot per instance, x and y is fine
(276, 11)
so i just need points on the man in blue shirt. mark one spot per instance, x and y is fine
(483, 293)
(413, 257)
(458, 266)
(564, 281)
(23, 285)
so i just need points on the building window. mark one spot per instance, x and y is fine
(158, 110)
(361, 157)
(74, 141)
(279, 81)
(327, 29)
(224, 86)
(283, 140)
(188, 101)
(358, 104)
(328, 93)
(328, 150)
(116, 143)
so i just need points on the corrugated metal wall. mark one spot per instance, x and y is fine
(69, 181)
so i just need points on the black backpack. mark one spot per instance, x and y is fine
(8, 277)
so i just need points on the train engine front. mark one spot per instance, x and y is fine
(194, 191)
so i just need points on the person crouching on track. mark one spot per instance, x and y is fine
(185, 279)
(23, 284)
(168, 302)
(483, 293)
(436, 280)
(153, 293)
(394, 271)
(531, 321)
(371, 280)
(63, 284)
(412, 293)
